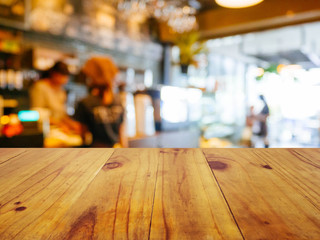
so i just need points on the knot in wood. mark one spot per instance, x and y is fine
(112, 165)
(218, 165)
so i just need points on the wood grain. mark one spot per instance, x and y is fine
(159, 194)
(273, 194)
(188, 203)
(39, 186)
(22, 165)
(118, 203)
(7, 154)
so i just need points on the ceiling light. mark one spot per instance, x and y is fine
(238, 3)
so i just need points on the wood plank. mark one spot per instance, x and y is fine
(188, 202)
(18, 168)
(273, 194)
(116, 205)
(41, 185)
(7, 154)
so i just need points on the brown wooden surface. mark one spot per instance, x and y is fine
(118, 203)
(38, 186)
(159, 194)
(188, 203)
(272, 193)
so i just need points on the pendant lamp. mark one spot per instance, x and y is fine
(238, 3)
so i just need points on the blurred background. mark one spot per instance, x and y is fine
(192, 73)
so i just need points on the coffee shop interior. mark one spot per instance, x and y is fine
(184, 73)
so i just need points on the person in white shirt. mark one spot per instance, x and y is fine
(48, 93)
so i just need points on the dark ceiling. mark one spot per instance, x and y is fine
(205, 4)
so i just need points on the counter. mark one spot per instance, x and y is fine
(159, 194)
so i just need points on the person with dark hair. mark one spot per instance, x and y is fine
(262, 118)
(48, 94)
(102, 112)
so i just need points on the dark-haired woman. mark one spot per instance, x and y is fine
(49, 94)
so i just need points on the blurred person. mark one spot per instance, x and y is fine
(102, 112)
(246, 138)
(262, 118)
(122, 93)
(48, 93)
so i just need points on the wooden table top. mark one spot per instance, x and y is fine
(160, 194)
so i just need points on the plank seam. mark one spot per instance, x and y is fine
(223, 196)
(289, 178)
(13, 157)
(89, 182)
(154, 196)
(54, 191)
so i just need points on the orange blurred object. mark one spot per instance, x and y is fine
(12, 130)
(280, 67)
(12, 125)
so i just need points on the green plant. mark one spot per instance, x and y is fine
(271, 69)
(189, 46)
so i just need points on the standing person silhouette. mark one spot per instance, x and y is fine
(102, 112)
(262, 118)
(48, 93)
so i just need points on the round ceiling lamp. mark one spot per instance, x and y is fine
(238, 3)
